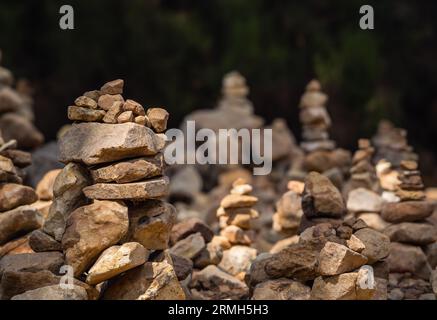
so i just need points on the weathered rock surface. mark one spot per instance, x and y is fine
(53, 292)
(40, 241)
(94, 143)
(187, 227)
(377, 244)
(335, 259)
(189, 247)
(340, 287)
(412, 233)
(281, 289)
(150, 189)
(150, 224)
(363, 200)
(67, 190)
(154, 280)
(321, 198)
(237, 260)
(115, 260)
(90, 230)
(129, 170)
(298, 261)
(408, 211)
(14, 195)
(17, 222)
(213, 283)
(406, 258)
(32, 262)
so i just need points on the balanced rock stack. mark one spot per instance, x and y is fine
(286, 219)
(330, 261)
(17, 216)
(16, 114)
(391, 144)
(107, 218)
(410, 233)
(321, 153)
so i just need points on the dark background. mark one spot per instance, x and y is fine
(174, 53)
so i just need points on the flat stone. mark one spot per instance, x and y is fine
(113, 87)
(241, 220)
(281, 289)
(106, 101)
(409, 165)
(150, 224)
(158, 118)
(298, 261)
(67, 190)
(335, 258)
(363, 200)
(86, 102)
(155, 280)
(14, 195)
(377, 244)
(187, 227)
(116, 260)
(238, 201)
(20, 159)
(76, 113)
(321, 198)
(40, 241)
(410, 195)
(374, 221)
(150, 189)
(17, 222)
(18, 282)
(406, 258)
(90, 230)
(412, 233)
(44, 188)
(189, 247)
(53, 292)
(212, 283)
(237, 260)
(32, 262)
(339, 287)
(130, 170)
(106, 142)
(408, 211)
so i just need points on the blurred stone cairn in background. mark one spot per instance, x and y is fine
(107, 226)
(16, 112)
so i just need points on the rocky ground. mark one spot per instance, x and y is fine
(111, 221)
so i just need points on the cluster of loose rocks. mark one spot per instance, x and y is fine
(411, 236)
(18, 213)
(16, 113)
(331, 260)
(107, 224)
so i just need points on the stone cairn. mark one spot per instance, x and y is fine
(410, 235)
(336, 260)
(362, 190)
(286, 219)
(391, 144)
(16, 113)
(321, 153)
(224, 279)
(17, 217)
(107, 218)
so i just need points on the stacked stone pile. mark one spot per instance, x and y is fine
(286, 219)
(410, 234)
(331, 261)
(16, 113)
(107, 223)
(391, 144)
(321, 153)
(18, 216)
